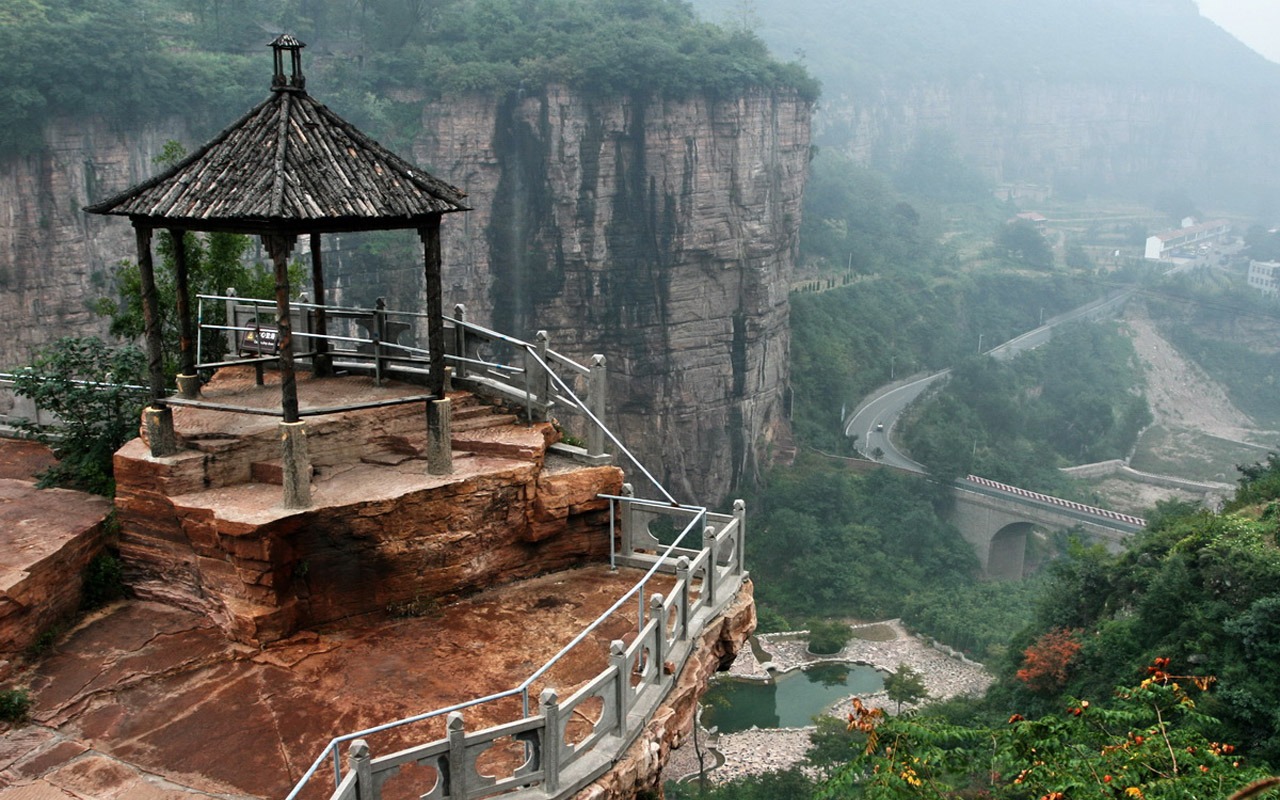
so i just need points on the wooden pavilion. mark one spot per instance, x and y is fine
(289, 167)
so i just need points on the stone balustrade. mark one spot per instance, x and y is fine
(567, 744)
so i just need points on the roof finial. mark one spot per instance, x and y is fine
(295, 82)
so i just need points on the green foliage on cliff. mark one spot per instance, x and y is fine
(1199, 588)
(847, 341)
(834, 542)
(93, 392)
(114, 59)
(136, 62)
(1070, 401)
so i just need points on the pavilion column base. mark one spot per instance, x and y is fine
(158, 422)
(189, 386)
(295, 465)
(322, 365)
(440, 437)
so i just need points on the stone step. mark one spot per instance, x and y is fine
(490, 420)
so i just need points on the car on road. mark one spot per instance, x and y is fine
(879, 426)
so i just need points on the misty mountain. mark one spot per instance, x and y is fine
(886, 43)
(1138, 99)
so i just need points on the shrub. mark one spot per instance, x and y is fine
(827, 637)
(103, 582)
(14, 705)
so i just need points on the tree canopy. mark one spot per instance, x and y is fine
(206, 60)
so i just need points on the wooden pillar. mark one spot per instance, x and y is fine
(188, 385)
(430, 234)
(150, 316)
(279, 247)
(322, 364)
(157, 417)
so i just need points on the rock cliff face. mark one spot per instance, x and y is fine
(659, 233)
(1122, 137)
(54, 258)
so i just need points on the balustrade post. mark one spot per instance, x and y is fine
(551, 741)
(359, 762)
(660, 647)
(597, 391)
(457, 757)
(709, 581)
(618, 658)
(460, 339)
(683, 578)
(740, 546)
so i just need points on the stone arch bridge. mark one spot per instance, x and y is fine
(995, 518)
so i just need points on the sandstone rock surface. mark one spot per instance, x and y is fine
(147, 700)
(47, 538)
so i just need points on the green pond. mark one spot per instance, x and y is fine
(791, 700)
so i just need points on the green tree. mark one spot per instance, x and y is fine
(94, 393)
(1021, 241)
(905, 685)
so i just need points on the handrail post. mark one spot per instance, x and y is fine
(232, 321)
(379, 333)
(551, 741)
(618, 658)
(740, 546)
(709, 583)
(199, 328)
(543, 382)
(457, 756)
(682, 578)
(460, 339)
(358, 761)
(596, 397)
(626, 519)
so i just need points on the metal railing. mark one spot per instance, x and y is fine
(1101, 516)
(381, 342)
(23, 410)
(640, 673)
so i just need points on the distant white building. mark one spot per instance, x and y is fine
(1164, 244)
(1265, 276)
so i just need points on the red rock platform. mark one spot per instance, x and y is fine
(151, 702)
(206, 529)
(47, 537)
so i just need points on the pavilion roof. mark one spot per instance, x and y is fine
(290, 165)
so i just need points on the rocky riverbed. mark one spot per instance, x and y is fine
(883, 645)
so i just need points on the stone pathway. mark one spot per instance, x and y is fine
(946, 674)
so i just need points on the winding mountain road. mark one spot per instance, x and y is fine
(874, 419)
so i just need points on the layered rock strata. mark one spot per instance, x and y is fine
(47, 539)
(206, 529)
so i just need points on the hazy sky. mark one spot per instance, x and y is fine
(1254, 22)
